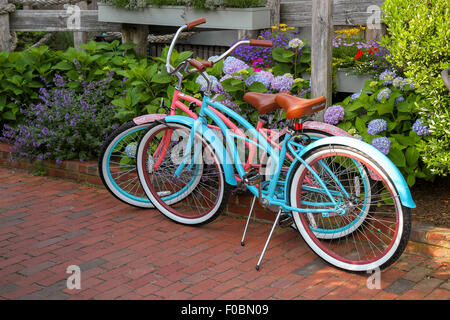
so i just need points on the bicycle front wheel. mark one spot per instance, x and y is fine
(182, 177)
(341, 171)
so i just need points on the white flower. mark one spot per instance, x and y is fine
(296, 44)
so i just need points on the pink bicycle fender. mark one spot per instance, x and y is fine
(325, 127)
(149, 118)
(335, 131)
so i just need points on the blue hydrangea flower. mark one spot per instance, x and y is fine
(383, 144)
(282, 83)
(228, 76)
(214, 86)
(334, 114)
(398, 100)
(407, 83)
(398, 82)
(355, 96)
(421, 129)
(376, 126)
(131, 149)
(388, 77)
(384, 93)
(296, 44)
(232, 65)
(257, 78)
(268, 75)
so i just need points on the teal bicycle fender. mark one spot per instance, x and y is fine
(391, 170)
(216, 143)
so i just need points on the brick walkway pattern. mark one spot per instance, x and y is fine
(48, 224)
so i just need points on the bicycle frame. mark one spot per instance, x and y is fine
(177, 104)
(209, 109)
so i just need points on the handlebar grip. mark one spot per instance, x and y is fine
(201, 65)
(195, 23)
(261, 43)
(446, 78)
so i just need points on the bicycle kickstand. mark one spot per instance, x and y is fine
(268, 239)
(248, 220)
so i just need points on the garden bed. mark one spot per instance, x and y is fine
(431, 226)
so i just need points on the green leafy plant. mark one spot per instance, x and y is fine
(294, 58)
(388, 111)
(23, 74)
(419, 43)
(147, 82)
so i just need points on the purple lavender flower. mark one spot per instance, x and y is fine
(376, 126)
(232, 65)
(282, 83)
(383, 144)
(421, 129)
(334, 114)
(257, 78)
(59, 81)
(384, 93)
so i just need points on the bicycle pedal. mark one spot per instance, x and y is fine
(252, 177)
(285, 220)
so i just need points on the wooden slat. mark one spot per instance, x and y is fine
(5, 36)
(56, 20)
(321, 57)
(345, 12)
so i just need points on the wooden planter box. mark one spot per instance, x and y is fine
(227, 18)
(350, 83)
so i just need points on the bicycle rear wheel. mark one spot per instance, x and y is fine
(195, 194)
(366, 184)
(376, 243)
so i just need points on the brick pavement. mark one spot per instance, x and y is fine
(48, 224)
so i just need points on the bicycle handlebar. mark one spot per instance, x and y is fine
(446, 78)
(201, 66)
(195, 23)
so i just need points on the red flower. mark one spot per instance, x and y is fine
(359, 54)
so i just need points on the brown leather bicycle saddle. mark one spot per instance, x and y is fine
(263, 102)
(298, 107)
(295, 107)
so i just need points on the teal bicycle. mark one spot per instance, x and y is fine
(187, 169)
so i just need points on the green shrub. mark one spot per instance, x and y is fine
(419, 42)
(23, 74)
(387, 110)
